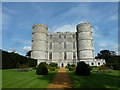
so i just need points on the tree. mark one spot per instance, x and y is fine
(28, 53)
(106, 54)
(113, 53)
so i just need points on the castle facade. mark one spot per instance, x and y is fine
(64, 47)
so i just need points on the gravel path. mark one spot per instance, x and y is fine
(61, 80)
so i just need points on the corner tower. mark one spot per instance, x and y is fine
(85, 42)
(39, 42)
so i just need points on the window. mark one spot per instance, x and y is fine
(64, 45)
(73, 36)
(92, 63)
(74, 55)
(98, 63)
(59, 36)
(50, 45)
(73, 45)
(50, 55)
(64, 36)
(50, 36)
(65, 55)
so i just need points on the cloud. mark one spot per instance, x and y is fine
(65, 28)
(102, 44)
(95, 32)
(26, 48)
(21, 41)
(12, 49)
(10, 11)
(116, 48)
(113, 17)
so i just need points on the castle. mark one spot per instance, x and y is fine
(64, 47)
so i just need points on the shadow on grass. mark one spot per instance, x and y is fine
(49, 77)
(96, 80)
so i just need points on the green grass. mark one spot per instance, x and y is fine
(29, 79)
(96, 80)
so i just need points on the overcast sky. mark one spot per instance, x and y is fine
(18, 19)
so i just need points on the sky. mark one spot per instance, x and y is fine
(19, 17)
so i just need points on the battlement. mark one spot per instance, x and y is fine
(84, 24)
(61, 33)
(43, 25)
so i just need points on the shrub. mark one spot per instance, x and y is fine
(23, 66)
(73, 65)
(52, 68)
(71, 68)
(82, 69)
(53, 64)
(103, 67)
(42, 69)
(114, 66)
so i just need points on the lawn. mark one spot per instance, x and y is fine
(96, 80)
(28, 79)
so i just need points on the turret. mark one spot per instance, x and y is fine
(39, 42)
(85, 42)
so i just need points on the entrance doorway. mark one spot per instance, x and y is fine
(62, 65)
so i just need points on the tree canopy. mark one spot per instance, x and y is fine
(106, 54)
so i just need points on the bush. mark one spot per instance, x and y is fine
(42, 69)
(52, 68)
(71, 68)
(73, 65)
(82, 69)
(114, 66)
(53, 64)
(103, 67)
(23, 66)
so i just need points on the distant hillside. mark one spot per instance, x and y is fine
(11, 59)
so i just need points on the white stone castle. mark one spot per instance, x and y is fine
(64, 47)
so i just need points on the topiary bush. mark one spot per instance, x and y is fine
(82, 69)
(42, 69)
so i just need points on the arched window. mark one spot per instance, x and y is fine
(92, 63)
(98, 63)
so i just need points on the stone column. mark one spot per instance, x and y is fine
(39, 43)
